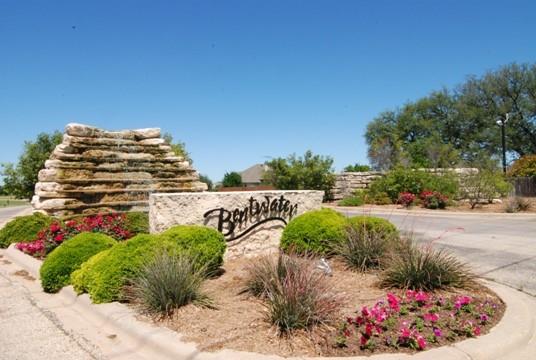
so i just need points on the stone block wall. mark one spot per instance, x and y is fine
(94, 170)
(347, 182)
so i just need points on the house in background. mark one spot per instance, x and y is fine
(253, 176)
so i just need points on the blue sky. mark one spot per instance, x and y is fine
(242, 81)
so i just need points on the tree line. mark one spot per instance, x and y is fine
(452, 127)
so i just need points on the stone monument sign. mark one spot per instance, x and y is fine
(94, 170)
(251, 221)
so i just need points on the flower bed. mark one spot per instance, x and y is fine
(240, 321)
(52, 236)
(417, 320)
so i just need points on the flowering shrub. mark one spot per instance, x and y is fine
(56, 233)
(415, 320)
(433, 199)
(406, 198)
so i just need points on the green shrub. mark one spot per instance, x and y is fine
(368, 242)
(168, 282)
(296, 294)
(525, 166)
(105, 277)
(425, 268)
(357, 199)
(137, 222)
(357, 168)
(69, 256)
(314, 232)
(483, 185)
(412, 181)
(204, 244)
(23, 229)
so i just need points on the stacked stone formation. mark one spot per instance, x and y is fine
(94, 170)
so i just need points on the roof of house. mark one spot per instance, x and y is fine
(254, 174)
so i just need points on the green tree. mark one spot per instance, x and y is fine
(20, 179)
(310, 172)
(449, 127)
(205, 179)
(232, 179)
(179, 148)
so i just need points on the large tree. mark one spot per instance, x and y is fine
(449, 127)
(307, 172)
(20, 178)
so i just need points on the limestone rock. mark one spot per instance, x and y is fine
(94, 170)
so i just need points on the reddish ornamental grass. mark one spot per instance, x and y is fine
(51, 237)
(417, 320)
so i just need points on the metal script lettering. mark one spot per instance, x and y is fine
(256, 213)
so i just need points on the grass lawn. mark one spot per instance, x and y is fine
(6, 201)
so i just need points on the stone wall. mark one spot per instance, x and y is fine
(252, 221)
(348, 182)
(94, 170)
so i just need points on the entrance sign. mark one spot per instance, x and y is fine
(251, 221)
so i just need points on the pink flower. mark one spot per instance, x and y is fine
(431, 317)
(421, 297)
(421, 342)
(405, 333)
(363, 340)
(393, 302)
(368, 329)
(476, 331)
(437, 332)
(484, 318)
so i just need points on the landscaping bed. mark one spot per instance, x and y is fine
(239, 320)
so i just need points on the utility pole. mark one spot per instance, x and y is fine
(502, 123)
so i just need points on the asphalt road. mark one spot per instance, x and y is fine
(500, 247)
(9, 212)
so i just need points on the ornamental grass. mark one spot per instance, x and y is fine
(425, 268)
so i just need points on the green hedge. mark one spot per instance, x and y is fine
(372, 224)
(23, 229)
(69, 256)
(313, 232)
(104, 275)
(137, 222)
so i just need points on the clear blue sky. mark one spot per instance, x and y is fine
(239, 81)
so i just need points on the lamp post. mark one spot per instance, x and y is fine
(502, 123)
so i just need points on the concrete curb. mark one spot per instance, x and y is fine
(137, 339)
(381, 210)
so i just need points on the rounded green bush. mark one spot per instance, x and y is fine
(372, 224)
(314, 232)
(104, 275)
(137, 222)
(23, 229)
(202, 243)
(69, 256)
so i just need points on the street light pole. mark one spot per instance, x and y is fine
(502, 123)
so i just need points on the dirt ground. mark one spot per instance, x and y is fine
(239, 322)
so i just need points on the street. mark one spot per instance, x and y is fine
(500, 247)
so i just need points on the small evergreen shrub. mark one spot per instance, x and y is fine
(368, 242)
(204, 244)
(314, 232)
(168, 282)
(23, 229)
(406, 199)
(137, 222)
(106, 274)
(424, 268)
(296, 294)
(68, 257)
